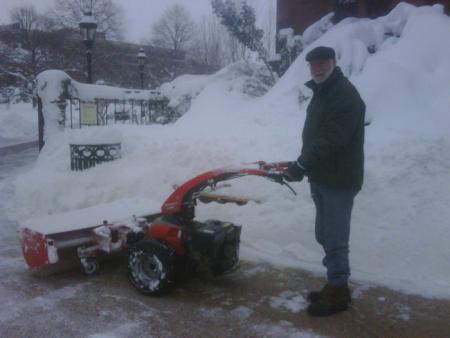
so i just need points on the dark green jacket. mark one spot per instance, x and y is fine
(333, 134)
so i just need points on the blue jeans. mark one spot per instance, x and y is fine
(333, 214)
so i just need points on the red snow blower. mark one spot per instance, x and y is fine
(157, 245)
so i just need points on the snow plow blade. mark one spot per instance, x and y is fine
(59, 240)
(41, 250)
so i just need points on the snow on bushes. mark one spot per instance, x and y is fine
(246, 77)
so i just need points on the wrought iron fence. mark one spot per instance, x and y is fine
(85, 156)
(108, 111)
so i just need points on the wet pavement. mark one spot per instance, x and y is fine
(258, 300)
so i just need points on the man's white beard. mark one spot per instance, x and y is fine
(322, 78)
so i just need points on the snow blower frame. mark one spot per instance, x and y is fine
(161, 244)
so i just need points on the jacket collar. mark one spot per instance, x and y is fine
(334, 76)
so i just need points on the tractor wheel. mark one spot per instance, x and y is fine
(150, 266)
(90, 266)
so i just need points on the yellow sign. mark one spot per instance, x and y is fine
(88, 113)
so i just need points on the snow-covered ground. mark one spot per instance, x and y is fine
(401, 220)
(18, 124)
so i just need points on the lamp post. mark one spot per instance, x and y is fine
(88, 28)
(141, 58)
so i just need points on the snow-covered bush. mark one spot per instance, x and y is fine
(241, 23)
(249, 78)
(257, 79)
(292, 45)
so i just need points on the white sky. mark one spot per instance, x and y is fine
(140, 14)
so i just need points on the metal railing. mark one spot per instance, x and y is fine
(107, 111)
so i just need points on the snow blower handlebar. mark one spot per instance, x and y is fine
(281, 179)
(278, 167)
(184, 196)
(276, 172)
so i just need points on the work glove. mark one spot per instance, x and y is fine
(294, 172)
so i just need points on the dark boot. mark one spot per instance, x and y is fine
(314, 296)
(331, 300)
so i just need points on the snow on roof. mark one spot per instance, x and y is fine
(56, 85)
(51, 86)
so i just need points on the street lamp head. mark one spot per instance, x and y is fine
(141, 57)
(88, 28)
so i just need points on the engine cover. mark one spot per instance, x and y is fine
(215, 243)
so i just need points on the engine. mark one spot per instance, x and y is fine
(214, 244)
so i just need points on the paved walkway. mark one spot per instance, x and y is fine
(256, 301)
(13, 149)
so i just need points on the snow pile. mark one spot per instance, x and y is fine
(246, 77)
(316, 30)
(110, 135)
(311, 34)
(18, 123)
(401, 65)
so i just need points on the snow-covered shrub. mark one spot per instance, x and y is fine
(9, 95)
(249, 78)
(257, 79)
(241, 23)
(292, 45)
(167, 114)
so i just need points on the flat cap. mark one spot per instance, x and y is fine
(321, 53)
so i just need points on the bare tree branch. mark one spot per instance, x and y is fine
(108, 15)
(174, 30)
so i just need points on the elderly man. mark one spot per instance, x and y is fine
(332, 157)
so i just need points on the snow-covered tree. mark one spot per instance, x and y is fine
(241, 23)
(22, 59)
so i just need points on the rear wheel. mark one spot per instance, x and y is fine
(150, 266)
(90, 266)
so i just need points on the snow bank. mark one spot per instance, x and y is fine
(401, 65)
(316, 30)
(244, 77)
(18, 124)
